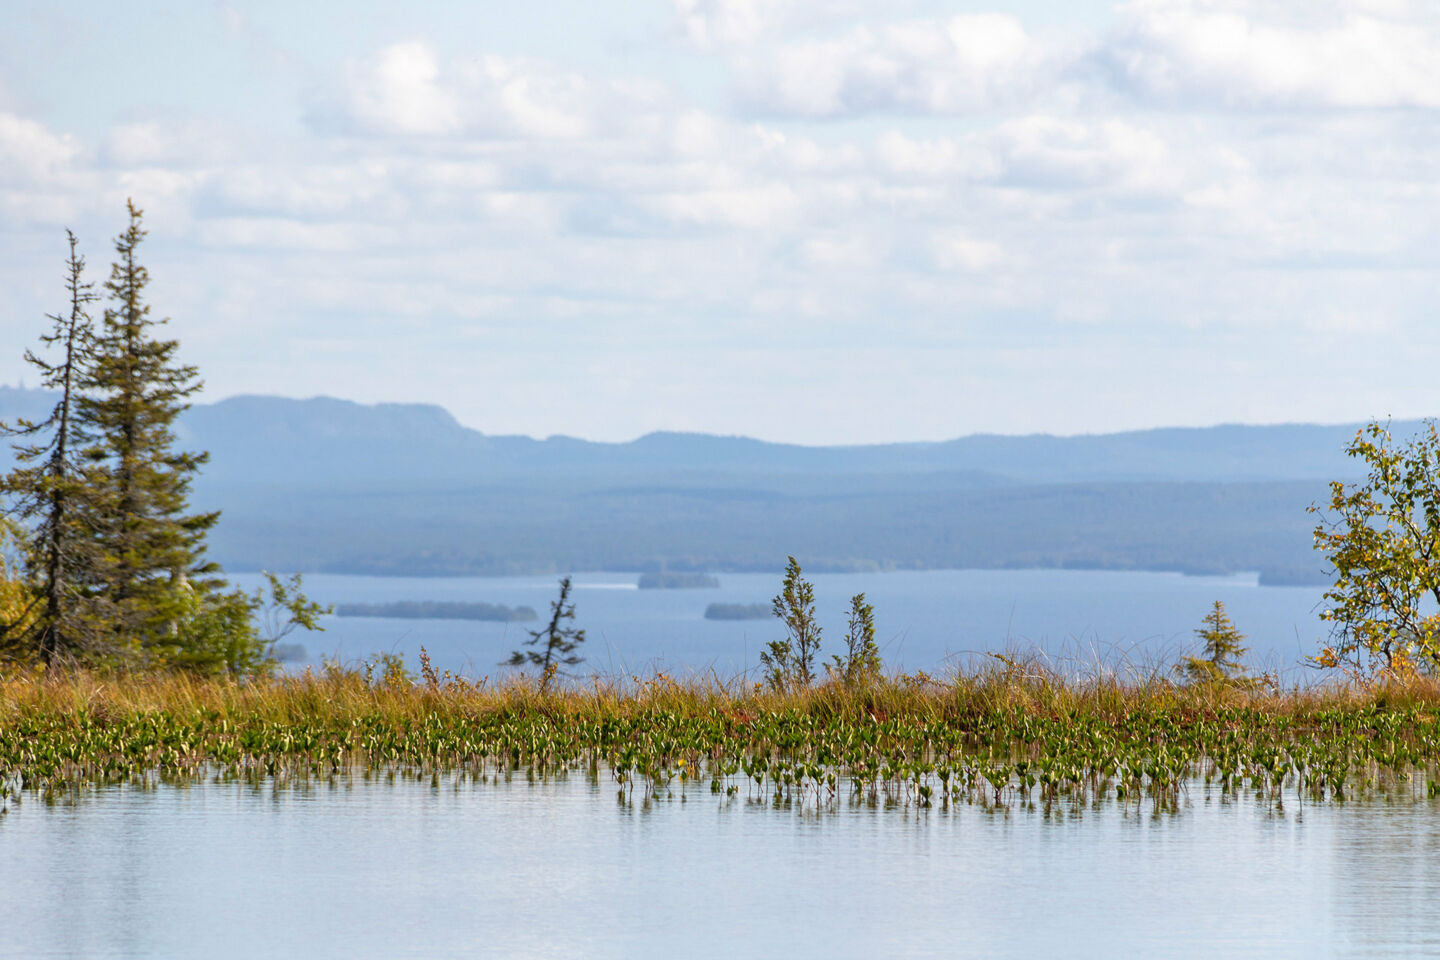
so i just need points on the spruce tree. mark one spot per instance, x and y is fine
(153, 564)
(57, 489)
(1222, 651)
(559, 642)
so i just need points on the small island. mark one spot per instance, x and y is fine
(677, 581)
(437, 610)
(739, 611)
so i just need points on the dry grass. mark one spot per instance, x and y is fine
(1009, 686)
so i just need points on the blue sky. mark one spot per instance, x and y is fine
(842, 221)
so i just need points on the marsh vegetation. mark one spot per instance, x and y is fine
(1010, 733)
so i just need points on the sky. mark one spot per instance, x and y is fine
(815, 221)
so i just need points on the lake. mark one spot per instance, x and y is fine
(560, 868)
(932, 620)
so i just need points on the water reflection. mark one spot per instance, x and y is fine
(372, 867)
(1388, 871)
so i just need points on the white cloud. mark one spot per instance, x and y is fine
(29, 150)
(400, 92)
(1048, 151)
(1265, 55)
(937, 157)
(847, 251)
(774, 149)
(716, 23)
(274, 233)
(136, 143)
(764, 206)
(1325, 54)
(323, 192)
(405, 90)
(175, 142)
(961, 64)
(955, 250)
(1046, 155)
(529, 98)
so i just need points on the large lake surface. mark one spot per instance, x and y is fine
(931, 620)
(561, 868)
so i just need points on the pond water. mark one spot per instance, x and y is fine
(928, 620)
(561, 868)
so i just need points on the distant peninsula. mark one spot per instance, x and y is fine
(436, 610)
(677, 581)
(739, 611)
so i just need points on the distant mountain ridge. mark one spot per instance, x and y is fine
(324, 428)
(252, 437)
(328, 484)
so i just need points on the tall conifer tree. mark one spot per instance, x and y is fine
(55, 486)
(154, 548)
